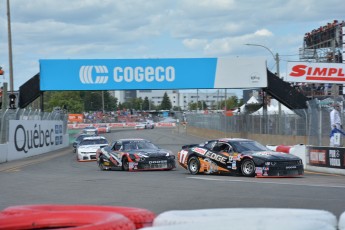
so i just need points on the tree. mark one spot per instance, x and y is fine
(146, 104)
(166, 103)
(71, 100)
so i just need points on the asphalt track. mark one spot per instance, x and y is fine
(57, 178)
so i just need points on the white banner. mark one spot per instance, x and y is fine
(316, 72)
(33, 137)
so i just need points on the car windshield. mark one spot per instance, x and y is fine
(138, 145)
(94, 142)
(242, 146)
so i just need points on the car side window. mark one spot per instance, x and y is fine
(210, 145)
(118, 146)
(222, 147)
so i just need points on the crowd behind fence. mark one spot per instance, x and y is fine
(314, 125)
(28, 114)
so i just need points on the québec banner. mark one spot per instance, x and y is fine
(174, 73)
(312, 72)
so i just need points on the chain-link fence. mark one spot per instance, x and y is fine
(312, 123)
(27, 114)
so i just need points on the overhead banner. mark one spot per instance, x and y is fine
(177, 73)
(312, 72)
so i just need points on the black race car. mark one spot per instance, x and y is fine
(240, 156)
(134, 155)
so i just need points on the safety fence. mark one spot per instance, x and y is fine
(312, 123)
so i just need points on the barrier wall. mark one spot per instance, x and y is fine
(33, 137)
(3, 153)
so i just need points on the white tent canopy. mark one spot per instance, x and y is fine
(273, 108)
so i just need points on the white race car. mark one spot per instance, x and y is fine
(86, 149)
(90, 130)
(145, 125)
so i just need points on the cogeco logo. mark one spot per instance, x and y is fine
(85, 74)
(128, 74)
(140, 74)
(24, 140)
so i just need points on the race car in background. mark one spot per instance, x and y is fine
(145, 125)
(90, 130)
(134, 154)
(79, 138)
(240, 156)
(86, 149)
(103, 128)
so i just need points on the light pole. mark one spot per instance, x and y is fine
(10, 46)
(276, 58)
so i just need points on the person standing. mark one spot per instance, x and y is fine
(335, 117)
(336, 125)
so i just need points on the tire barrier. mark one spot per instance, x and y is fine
(280, 148)
(246, 218)
(140, 217)
(76, 220)
(283, 148)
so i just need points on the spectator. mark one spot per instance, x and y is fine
(336, 126)
(335, 117)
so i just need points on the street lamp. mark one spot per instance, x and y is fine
(276, 58)
(10, 45)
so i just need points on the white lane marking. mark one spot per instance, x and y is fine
(268, 182)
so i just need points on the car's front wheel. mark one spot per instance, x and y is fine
(125, 164)
(248, 168)
(194, 165)
(101, 164)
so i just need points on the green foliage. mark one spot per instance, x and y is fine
(79, 101)
(146, 104)
(66, 99)
(166, 103)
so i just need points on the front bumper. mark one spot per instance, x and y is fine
(280, 171)
(153, 164)
(87, 157)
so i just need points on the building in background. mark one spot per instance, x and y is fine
(178, 98)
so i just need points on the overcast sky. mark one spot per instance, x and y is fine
(116, 29)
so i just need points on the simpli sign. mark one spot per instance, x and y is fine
(316, 72)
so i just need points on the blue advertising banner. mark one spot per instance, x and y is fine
(177, 73)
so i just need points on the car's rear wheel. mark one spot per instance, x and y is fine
(248, 168)
(194, 165)
(125, 164)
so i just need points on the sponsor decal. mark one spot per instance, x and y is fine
(200, 151)
(317, 157)
(158, 162)
(255, 78)
(216, 157)
(234, 165)
(258, 170)
(263, 154)
(334, 158)
(291, 167)
(26, 139)
(316, 72)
